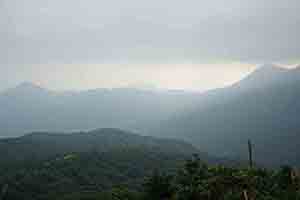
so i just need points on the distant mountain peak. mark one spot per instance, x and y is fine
(28, 88)
(270, 68)
(297, 68)
(28, 85)
(267, 70)
(264, 75)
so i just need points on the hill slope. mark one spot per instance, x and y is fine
(45, 145)
(264, 107)
(47, 165)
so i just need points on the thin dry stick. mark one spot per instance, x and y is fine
(250, 153)
(245, 195)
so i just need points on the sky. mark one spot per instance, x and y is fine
(191, 44)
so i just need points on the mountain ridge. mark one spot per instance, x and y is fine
(43, 145)
(129, 109)
(265, 113)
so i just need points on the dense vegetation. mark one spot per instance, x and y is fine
(41, 146)
(91, 177)
(196, 180)
(52, 166)
(83, 173)
(110, 164)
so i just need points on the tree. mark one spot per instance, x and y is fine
(158, 186)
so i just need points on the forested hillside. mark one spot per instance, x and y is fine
(52, 165)
(136, 176)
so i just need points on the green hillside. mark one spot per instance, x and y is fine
(52, 165)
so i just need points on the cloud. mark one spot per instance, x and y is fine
(197, 77)
(64, 31)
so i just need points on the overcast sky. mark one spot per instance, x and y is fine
(39, 36)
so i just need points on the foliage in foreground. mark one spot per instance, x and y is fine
(83, 175)
(197, 181)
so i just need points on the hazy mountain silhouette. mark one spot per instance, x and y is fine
(29, 107)
(26, 91)
(263, 107)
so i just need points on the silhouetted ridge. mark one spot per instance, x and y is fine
(263, 107)
(28, 108)
(29, 86)
(270, 70)
(297, 68)
(27, 89)
(44, 145)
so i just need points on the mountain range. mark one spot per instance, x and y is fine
(29, 107)
(263, 107)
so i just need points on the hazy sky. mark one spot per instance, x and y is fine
(67, 44)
